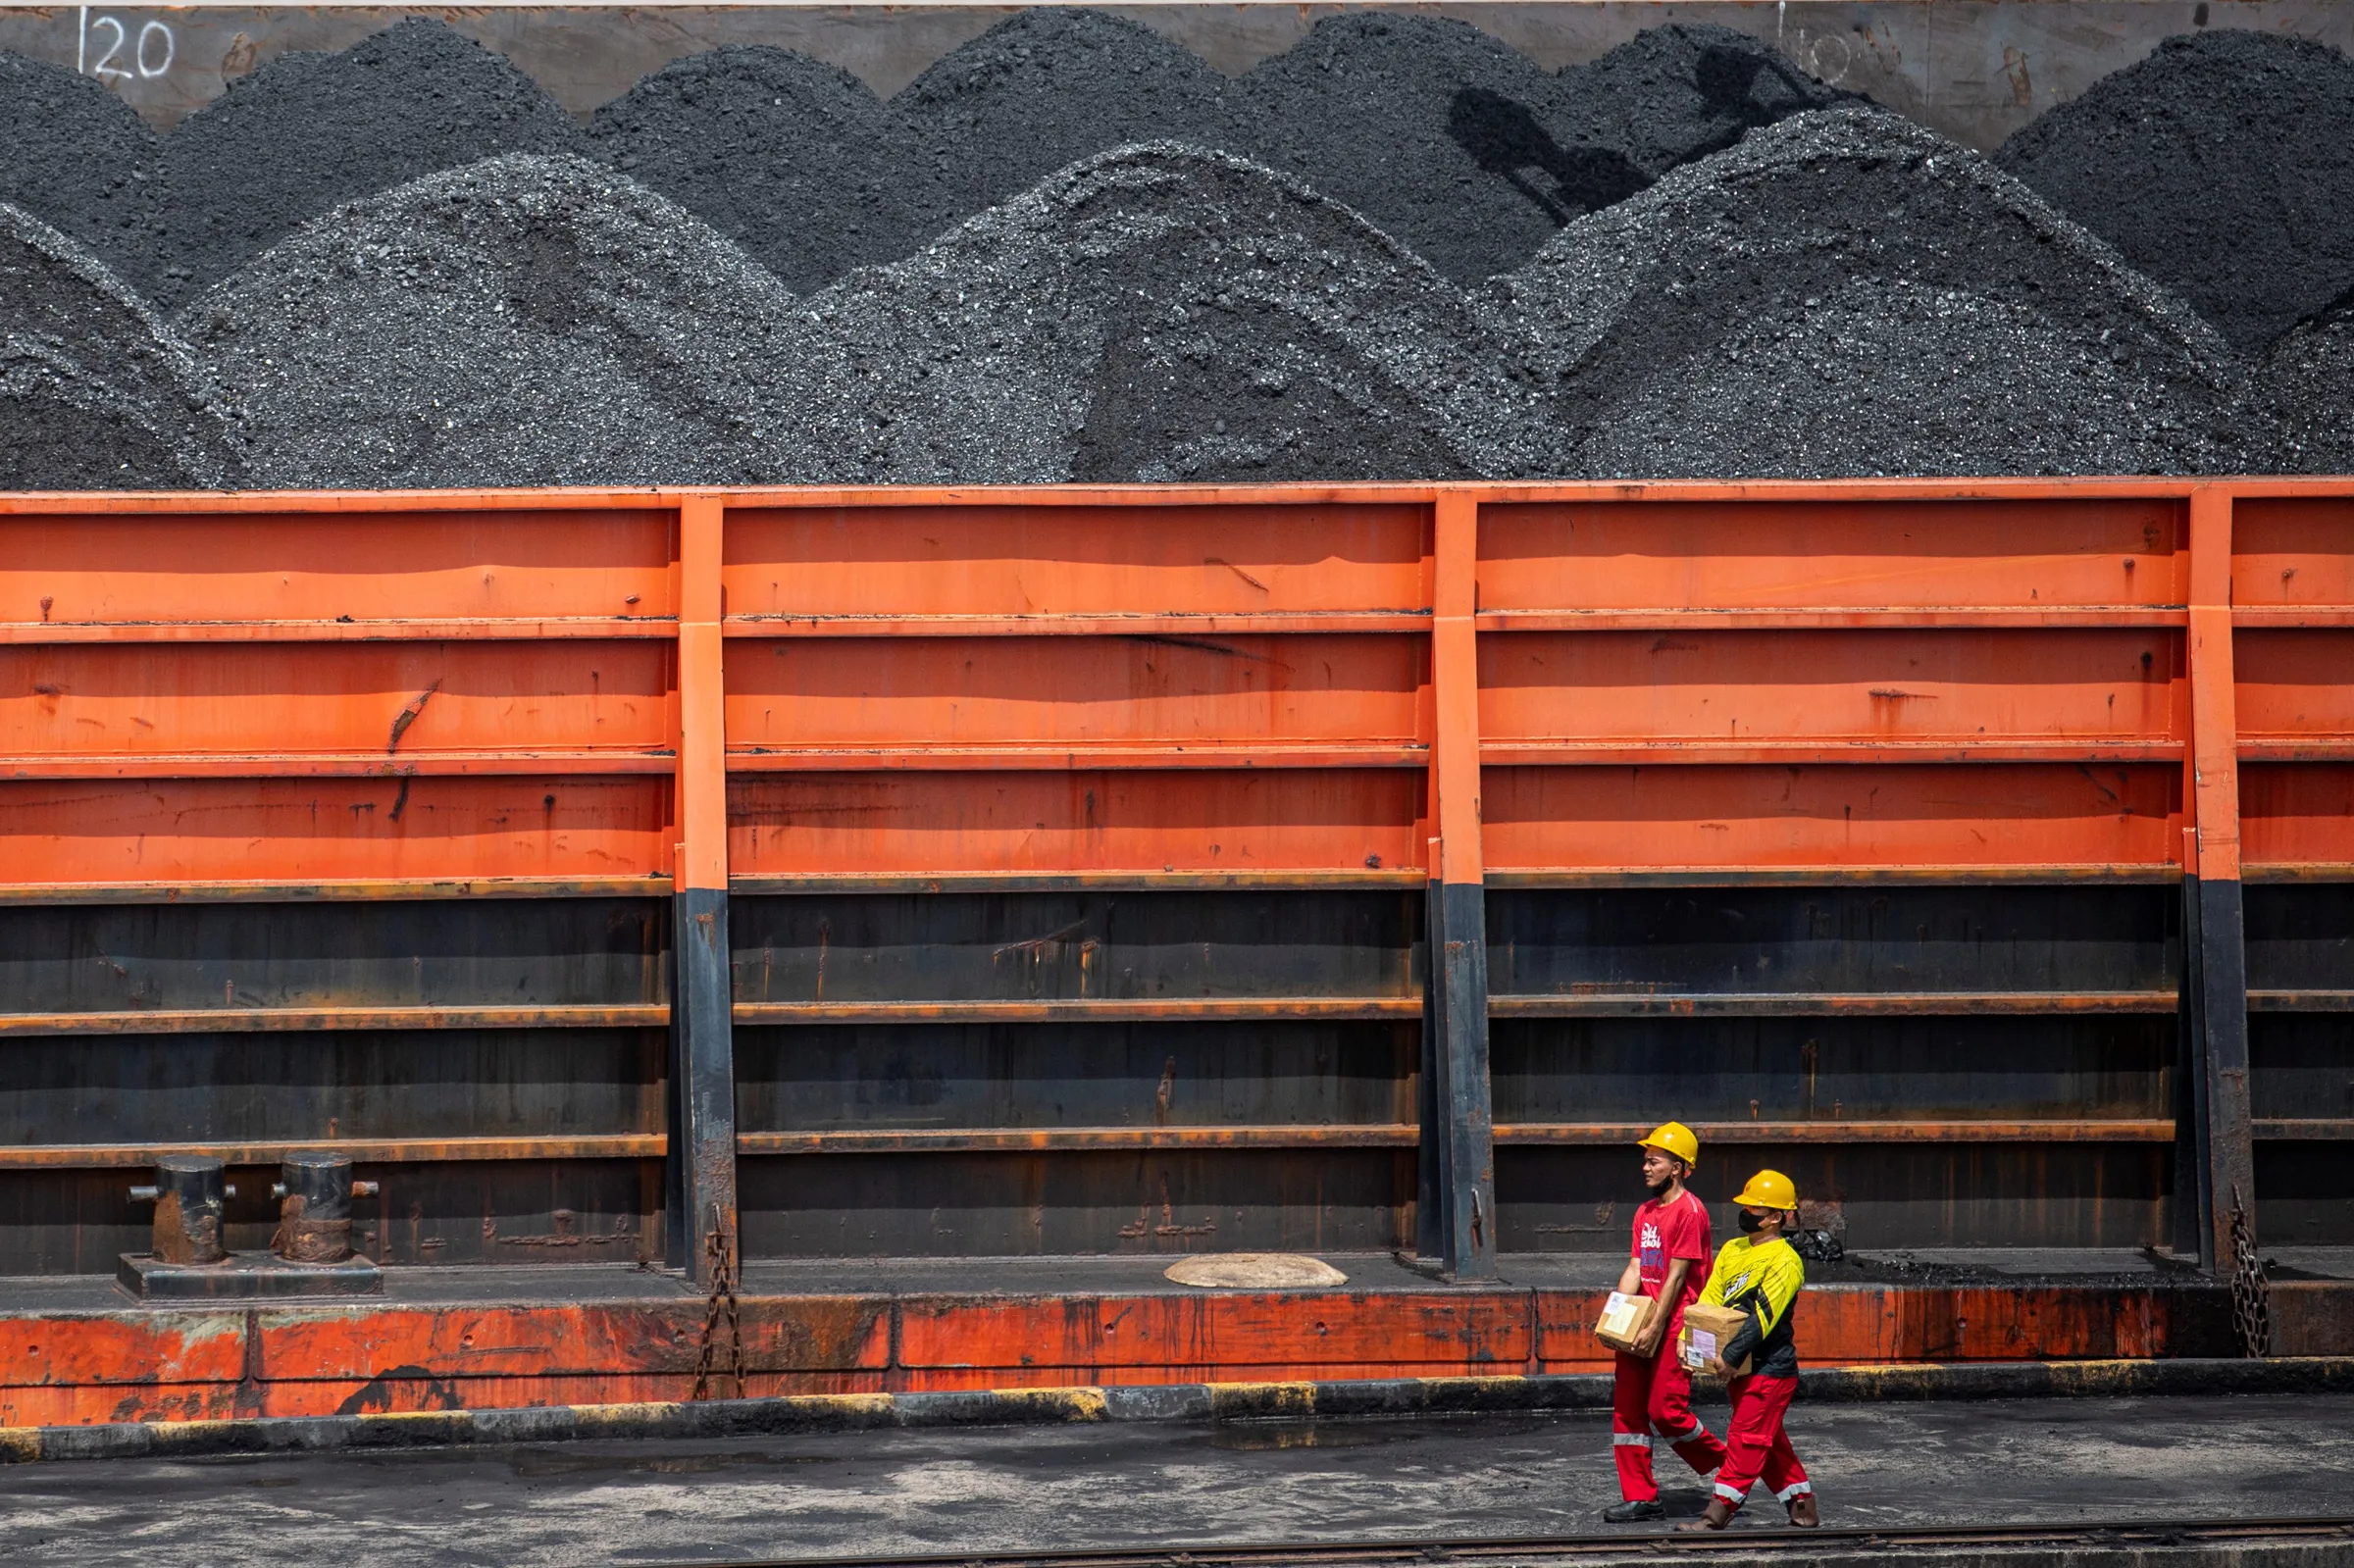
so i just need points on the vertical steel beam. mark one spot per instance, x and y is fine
(702, 1053)
(1459, 1159)
(2215, 949)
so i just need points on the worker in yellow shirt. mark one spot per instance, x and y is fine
(1760, 1272)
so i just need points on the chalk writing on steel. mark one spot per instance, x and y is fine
(149, 55)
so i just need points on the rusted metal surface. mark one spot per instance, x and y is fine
(191, 1362)
(1071, 868)
(99, 1156)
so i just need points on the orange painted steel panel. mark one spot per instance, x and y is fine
(2295, 686)
(1706, 816)
(1866, 1325)
(703, 714)
(379, 704)
(283, 829)
(2212, 767)
(128, 569)
(1830, 553)
(815, 1332)
(1455, 692)
(945, 823)
(834, 696)
(1968, 687)
(2296, 813)
(1028, 560)
(1183, 1332)
(2292, 554)
(62, 1349)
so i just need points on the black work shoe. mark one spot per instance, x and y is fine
(1632, 1513)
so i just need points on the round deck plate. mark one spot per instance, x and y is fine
(1254, 1271)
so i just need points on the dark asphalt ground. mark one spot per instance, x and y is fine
(1153, 1484)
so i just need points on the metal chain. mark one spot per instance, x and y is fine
(720, 1252)
(2251, 1293)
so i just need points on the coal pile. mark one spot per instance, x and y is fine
(96, 392)
(78, 158)
(1434, 131)
(1475, 156)
(1052, 86)
(1848, 293)
(309, 131)
(1671, 94)
(2309, 388)
(795, 160)
(526, 321)
(1158, 313)
(2222, 166)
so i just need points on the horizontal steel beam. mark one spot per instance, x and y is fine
(462, 629)
(1671, 752)
(1223, 623)
(1029, 758)
(2303, 1128)
(1811, 1004)
(350, 890)
(1026, 882)
(364, 1150)
(248, 1020)
(1964, 1131)
(1072, 1139)
(1077, 1010)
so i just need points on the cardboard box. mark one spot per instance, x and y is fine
(1623, 1320)
(1707, 1328)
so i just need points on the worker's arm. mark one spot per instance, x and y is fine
(1647, 1344)
(1630, 1278)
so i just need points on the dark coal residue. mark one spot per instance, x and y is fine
(795, 160)
(1439, 134)
(1052, 86)
(526, 321)
(309, 131)
(77, 157)
(1678, 92)
(1474, 155)
(1848, 293)
(1157, 313)
(96, 392)
(2308, 389)
(2222, 166)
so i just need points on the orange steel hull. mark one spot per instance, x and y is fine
(628, 694)
(284, 1361)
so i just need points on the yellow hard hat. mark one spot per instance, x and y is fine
(1768, 1190)
(1673, 1137)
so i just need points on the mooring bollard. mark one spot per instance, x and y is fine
(189, 1195)
(314, 1216)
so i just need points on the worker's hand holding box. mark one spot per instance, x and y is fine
(1623, 1320)
(1707, 1331)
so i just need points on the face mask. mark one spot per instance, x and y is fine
(1659, 1186)
(1750, 1222)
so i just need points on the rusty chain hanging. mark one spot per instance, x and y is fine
(2251, 1294)
(720, 1252)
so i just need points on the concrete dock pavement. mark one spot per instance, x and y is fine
(1004, 1488)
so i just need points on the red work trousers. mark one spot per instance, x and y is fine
(1656, 1395)
(1757, 1447)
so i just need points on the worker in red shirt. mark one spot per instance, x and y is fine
(1653, 1392)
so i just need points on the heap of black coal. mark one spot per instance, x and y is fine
(1848, 293)
(1158, 313)
(76, 158)
(307, 133)
(2222, 166)
(527, 319)
(95, 391)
